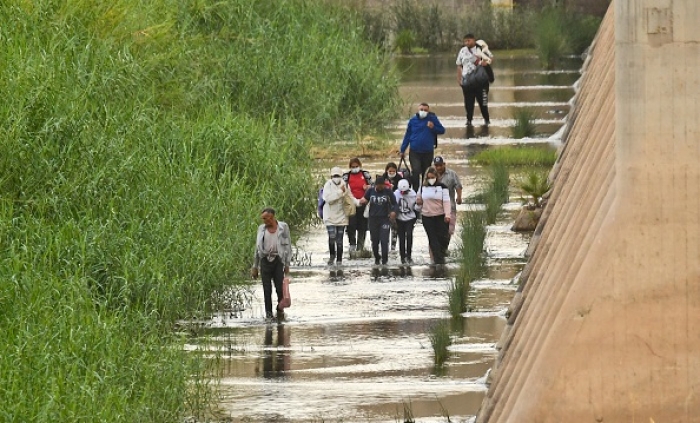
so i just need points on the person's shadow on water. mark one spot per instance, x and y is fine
(276, 355)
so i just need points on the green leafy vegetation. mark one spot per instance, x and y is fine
(525, 126)
(139, 142)
(535, 184)
(438, 27)
(473, 234)
(559, 32)
(440, 340)
(496, 193)
(513, 156)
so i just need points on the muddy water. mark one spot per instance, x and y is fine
(355, 344)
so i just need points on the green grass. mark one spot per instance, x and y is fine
(514, 156)
(440, 340)
(497, 191)
(139, 142)
(525, 126)
(439, 27)
(473, 234)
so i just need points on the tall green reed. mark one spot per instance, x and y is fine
(139, 142)
(473, 235)
(497, 191)
(440, 340)
(524, 123)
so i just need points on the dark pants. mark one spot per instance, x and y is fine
(438, 234)
(379, 233)
(420, 162)
(481, 96)
(405, 231)
(271, 271)
(357, 228)
(335, 242)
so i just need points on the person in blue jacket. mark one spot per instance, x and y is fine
(421, 140)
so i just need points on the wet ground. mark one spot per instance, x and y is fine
(354, 346)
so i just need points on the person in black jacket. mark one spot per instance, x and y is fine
(382, 210)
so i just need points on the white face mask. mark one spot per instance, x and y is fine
(337, 180)
(432, 181)
(422, 114)
(355, 169)
(391, 175)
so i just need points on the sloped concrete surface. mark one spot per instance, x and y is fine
(605, 326)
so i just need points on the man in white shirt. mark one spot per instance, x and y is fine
(469, 57)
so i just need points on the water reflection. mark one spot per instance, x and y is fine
(403, 271)
(476, 131)
(435, 271)
(276, 355)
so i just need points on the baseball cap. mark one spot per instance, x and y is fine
(404, 185)
(438, 160)
(336, 171)
(379, 181)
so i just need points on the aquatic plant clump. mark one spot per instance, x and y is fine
(440, 340)
(496, 193)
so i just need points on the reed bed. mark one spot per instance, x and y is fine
(139, 142)
(514, 156)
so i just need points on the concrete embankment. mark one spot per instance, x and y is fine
(605, 326)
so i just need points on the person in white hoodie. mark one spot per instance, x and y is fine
(334, 216)
(405, 219)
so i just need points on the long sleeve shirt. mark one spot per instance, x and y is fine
(419, 136)
(436, 200)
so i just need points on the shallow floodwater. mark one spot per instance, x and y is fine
(354, 346)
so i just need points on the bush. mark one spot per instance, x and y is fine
(535, 184)
(551, 41)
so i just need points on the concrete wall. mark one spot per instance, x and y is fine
(606, 324)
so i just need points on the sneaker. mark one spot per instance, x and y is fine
(409, 261)
(352, 247)
(403, 261)
(384, 262)
(331, 261)
(339, 262)
(469, 123)
(487, 123)
(376, 262)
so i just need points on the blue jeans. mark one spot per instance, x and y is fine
(379, 234)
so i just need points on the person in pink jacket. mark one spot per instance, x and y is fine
(434, 199)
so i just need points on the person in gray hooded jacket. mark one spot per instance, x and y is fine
(273, 253)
